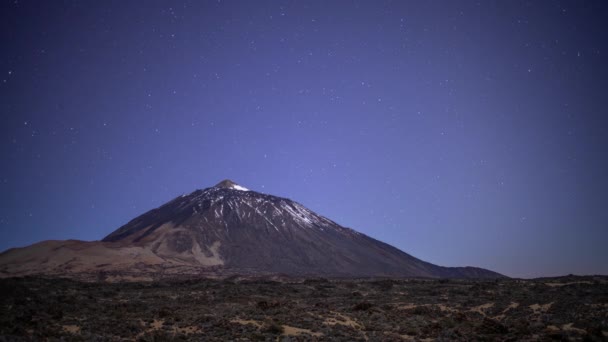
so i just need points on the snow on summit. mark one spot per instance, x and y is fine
(228, 184)
(238, 187)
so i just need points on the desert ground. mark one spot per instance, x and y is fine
(566, 308)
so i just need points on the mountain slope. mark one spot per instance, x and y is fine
(227, 229)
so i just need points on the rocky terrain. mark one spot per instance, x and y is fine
(289, 309)
(225, 230)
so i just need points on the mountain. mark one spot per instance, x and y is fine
(227, 230)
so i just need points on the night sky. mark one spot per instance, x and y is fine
(463, 133)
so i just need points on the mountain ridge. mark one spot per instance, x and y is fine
(228, 229)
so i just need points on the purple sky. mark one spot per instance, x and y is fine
(461, 133)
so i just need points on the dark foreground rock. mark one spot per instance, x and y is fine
(297, 310)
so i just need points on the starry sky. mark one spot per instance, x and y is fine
(462, 132)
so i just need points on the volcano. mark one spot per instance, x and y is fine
(227, 230)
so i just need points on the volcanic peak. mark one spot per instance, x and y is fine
(228, 184)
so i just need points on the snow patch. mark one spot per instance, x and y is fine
(238, 187)
(298, 213)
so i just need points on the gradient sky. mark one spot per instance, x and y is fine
(463, 133)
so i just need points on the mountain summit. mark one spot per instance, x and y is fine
(228, 230)
(228, 184)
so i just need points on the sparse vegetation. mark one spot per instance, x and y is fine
(572, 308)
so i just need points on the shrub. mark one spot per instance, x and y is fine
(273, 328)
(362, 306)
